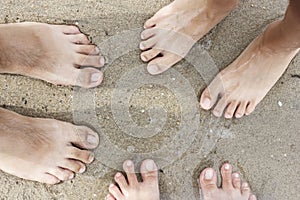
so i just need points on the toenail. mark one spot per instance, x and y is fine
(71, 177)
(142, 46)
(95, 77)
(129, 163)
(236, 175)
(245, 185)
(102, 61)
(92, 157)
(82, 170)
(149, 165)
(153, 69)
(97, 50)
(206, 102)
(209, 174)
(118, 175)
(112, 186)
(92, 139)
(227, 167)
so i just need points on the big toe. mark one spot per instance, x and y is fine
(208, 181)
(149, 172)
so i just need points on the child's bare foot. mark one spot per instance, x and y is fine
(232, 187)
(244, 83)
(43, 150)
(130, 188)
(174, 29)
(53, 53)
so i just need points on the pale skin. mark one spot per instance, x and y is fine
(47, 150)
(130, 189)
(239, 88)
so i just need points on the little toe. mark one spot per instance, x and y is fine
(147, 44)
(109, 197)
(162, 64)
(122, 182)
(240, 112)
(208, 181)
(84, 137)
(73, 165)
(246, 189)
(89, 60)
(80, 155)
(148, 33)
(128, 167)
(220, 107)
(68, 29)
(149, 173)
(48, 179)
(226, 172)
(146, 56)
(79, 39)
(116, 193)
(231, 109)
(236, 181)
(87, 49)
(250, 108)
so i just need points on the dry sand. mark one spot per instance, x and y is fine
(264, 147)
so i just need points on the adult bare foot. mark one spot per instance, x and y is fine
(174, 29)
(232, 187)
(243, 84)
(53, 53)
(131, 189)
(43, 150)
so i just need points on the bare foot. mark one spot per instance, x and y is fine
(43, 150)
(232, 187)
(130, 188)
(174, 29)
(53, 53)
(242, 85)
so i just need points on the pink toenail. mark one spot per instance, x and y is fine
(206, 102)
(236, 175)
(95, 77)
(153, 69)
(149, 165)
(227, 167)
(97, 50)
(82, 170)
(209, 174)
(118, 175)
(102, 61)
(92, 157)
(142, 46)
(71, 177)
(112, 186)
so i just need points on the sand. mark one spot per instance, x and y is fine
(264, 146)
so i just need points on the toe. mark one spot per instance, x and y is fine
(87, 49)
(246, 189)
(162, 64)
(220, 107)
(79, 39)
(208, 181)
(68, 29)
(128, 167)
(88, 77)
(150, 54)
(73, 165)
(231, 109)
(226, 172)
(62, 174)
(148, 33)
(109, 197)
(240, 112)
(211, 94)
(150, 23)
(80, 155)
(89, 60)
(252, 197)
(116, 193)
(48, 179)
(121, 181)
(149, 173)
(250, 108)
(84, 137)
(147, 44)
(236, 181)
